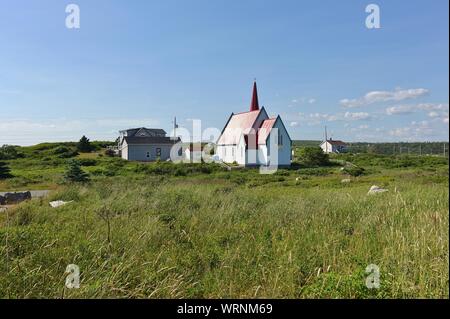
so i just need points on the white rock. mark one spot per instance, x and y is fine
(347, 180)
(375, 190)
(59, 203)
(3, 209)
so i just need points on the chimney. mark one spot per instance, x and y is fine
(254, 106)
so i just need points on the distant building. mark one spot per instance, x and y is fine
(246, 138)
(145, 144)
(333, 146)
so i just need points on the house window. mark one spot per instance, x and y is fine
(158, 152)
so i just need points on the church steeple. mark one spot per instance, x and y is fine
(254, 106)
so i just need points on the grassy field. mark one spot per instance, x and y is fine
(197, 231)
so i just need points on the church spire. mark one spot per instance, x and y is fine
(254, 106)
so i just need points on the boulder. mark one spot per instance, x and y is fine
(2, 200)
(58, 203)
(346, 180)
(376, 190)
(15, 198)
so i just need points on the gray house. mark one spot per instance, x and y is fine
(145, 144)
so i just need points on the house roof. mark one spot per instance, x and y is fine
(265, 129)
(133, 131)
(336, 142)
(133, 140)
(238, 124)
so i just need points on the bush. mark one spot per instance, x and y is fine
(64, 152)
(313, 156)
(353, 171)
(84, 145)
(87, 162)
(9, 152)
(5, 171)
(110, 153)
(74, 173)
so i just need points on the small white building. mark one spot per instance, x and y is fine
(194, 152)
(333, 146)
(253, 138)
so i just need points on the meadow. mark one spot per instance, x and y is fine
(164, 230)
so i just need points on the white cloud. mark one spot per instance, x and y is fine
(324, 116)
(418, 130)
(312, 101)
(357, 116)
(433, 107)
(400, 109)
(317, 118)
(293, 124)
(384, 96)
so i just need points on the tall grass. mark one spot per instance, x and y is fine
(203, 237)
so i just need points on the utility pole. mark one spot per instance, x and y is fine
(175, 126)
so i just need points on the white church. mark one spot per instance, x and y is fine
(254, 139)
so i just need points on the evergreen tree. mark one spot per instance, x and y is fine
(5, 171)
(84, 145)
(74, 173)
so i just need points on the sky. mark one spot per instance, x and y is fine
(141, 63)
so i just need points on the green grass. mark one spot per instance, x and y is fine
(209, 233)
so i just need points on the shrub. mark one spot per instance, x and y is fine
(64, 152)
(74, 173)
(60, 150)
(110, 153)
(353, 171)
(87, 162)
(313, 156)
(84, 145)
(5, 171)
(8, 152)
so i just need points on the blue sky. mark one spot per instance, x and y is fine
(141, 62)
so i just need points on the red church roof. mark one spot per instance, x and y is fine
(254, 106)
(265, 129)
(243, 124)
(336, 142)
(238, 124)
